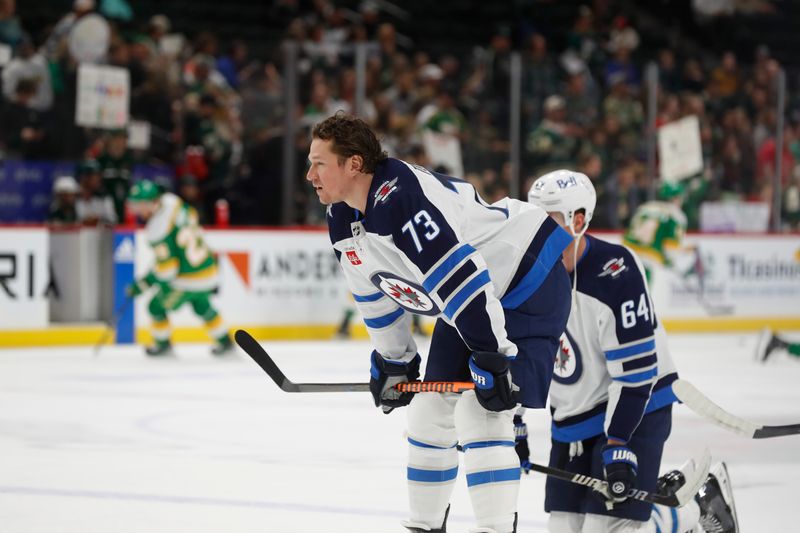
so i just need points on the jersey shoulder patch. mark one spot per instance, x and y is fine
(608, 272)
(394, 194)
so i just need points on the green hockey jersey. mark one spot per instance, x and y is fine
(656, 229)
(183, 261)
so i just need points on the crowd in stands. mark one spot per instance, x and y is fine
(217, 112)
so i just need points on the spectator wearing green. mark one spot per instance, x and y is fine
(116, 163)
(553, 143)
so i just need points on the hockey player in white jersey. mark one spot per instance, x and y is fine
(611, 397)
(414, 241)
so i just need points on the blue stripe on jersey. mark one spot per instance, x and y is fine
(432, 476)
(661, 398)
(385, 320)
(621, 353)
(368, 297)
(565, 431)
(550, 252)
(473, 286)
(447, 266)
(488, 444)
(638, 378)
(580, 431)
(493, 476)
(456, 279)
(419, 444)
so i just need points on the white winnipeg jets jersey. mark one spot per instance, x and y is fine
(428, 244)
(613, 365)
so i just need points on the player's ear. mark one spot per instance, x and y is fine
(578, 222)
(356, 163)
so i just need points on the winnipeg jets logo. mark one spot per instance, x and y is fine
(567, 365)
(405, 295)
(383, 192)
(565, 358)
(613, 268)
(409, 295)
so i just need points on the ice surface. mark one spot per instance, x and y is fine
(120, 443)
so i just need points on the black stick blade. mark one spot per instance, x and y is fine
(767, 432)
(260, 356)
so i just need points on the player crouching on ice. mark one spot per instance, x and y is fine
(611, 395)
(185, 271)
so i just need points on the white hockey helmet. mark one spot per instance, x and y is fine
(565, 192)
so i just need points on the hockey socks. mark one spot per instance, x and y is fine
(490, 462)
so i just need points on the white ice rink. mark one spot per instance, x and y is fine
(124, 444)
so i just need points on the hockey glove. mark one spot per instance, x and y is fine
(493, 386)
(619, 466)
(385, 374)
(521, 444)
(136, 288)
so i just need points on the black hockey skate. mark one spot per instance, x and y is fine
(414, 527)
(767, 343)
(159, 349)
(224, 347)
(717, 508)
(670, 483)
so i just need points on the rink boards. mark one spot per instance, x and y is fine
(286, 284)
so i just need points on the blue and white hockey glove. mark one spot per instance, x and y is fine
(620, 466)
(493, 386)
(385, 374)
(521, 444)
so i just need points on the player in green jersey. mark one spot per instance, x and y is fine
(657, 229)
(185, 271)
(769, 342)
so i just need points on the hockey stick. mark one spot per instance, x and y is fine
(703, 406)
(260, 356)
(694, 480)
(111, 325)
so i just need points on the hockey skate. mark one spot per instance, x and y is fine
(717, 508)
(160, 349)
(223, 347)
(767, 343)
(669, 483)
(416, 527)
